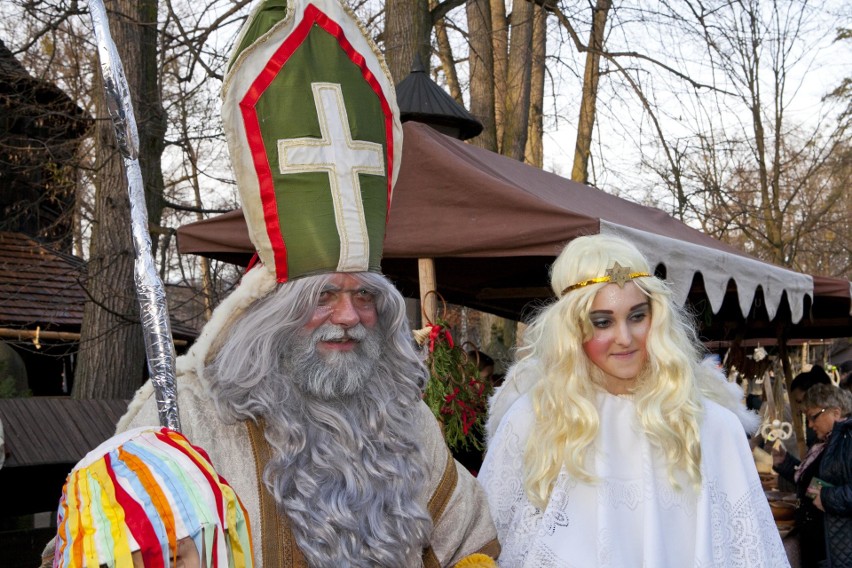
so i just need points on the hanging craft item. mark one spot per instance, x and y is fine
(833, 374)
(774, 430)
(455, 392)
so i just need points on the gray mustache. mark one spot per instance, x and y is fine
(331, 332)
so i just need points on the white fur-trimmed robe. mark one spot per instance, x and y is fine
(632, 516)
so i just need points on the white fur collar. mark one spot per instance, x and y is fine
(255, 285)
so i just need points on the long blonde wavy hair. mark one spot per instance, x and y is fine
(666, 396)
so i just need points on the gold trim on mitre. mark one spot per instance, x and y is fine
(618, 274)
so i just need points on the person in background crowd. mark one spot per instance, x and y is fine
(609, 444)
(828, 409)
(816, 375)
(484, 362)
(808, 519)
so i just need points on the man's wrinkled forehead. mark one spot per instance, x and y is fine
(307, 292)
(349, 287)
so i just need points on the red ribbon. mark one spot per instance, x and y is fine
(468, 414)
(450, 397)
(435, 332)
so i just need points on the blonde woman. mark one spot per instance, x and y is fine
(610, 444)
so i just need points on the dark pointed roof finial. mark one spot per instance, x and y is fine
(421, 99)
(417, 66)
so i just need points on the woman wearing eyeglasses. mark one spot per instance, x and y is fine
(827, 411)
(810, 532)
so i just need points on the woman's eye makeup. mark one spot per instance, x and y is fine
(639, 315)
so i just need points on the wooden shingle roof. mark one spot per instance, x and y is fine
(38, 285)
(54, 430)
(10, 67)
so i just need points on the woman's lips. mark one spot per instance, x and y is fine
(623, 355)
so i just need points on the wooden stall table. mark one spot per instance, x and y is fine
(783, 507)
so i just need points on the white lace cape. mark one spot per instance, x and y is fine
(633, 517)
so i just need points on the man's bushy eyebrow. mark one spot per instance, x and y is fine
(374, 290)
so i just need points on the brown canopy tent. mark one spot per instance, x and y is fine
(493, 226)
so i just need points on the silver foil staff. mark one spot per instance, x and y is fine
(156, 328)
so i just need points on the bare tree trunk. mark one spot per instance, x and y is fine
(112, 352)
(500, 49)
(204, 262)
(206, 278)
(448, 64)
(482, 77)
(408, 32)
(516, 105)
(534, 153)
(77, 219)
(150, 114)
(768, 173)
(586, 123)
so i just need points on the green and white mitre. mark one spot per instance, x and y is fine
(313, 129)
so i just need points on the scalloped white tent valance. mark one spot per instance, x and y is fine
(717, 267)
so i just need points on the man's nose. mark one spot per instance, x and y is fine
(344, 312)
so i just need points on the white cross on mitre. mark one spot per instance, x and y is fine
(343, 159)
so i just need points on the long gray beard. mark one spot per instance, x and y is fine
(335, 374)
(348, 466)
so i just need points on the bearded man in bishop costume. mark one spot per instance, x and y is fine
(305, 385)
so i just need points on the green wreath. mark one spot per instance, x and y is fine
(456, 394)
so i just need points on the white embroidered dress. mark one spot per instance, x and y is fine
(633, 517)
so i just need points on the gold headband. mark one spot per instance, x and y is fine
(617, 275)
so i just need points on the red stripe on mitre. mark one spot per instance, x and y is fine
(311, 16)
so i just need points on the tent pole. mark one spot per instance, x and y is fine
(798, 425)
(428, 283)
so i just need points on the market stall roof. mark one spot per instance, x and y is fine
(493, 225)
(48, 430)
(43, 437)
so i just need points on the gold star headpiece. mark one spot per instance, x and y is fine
(617, 275)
